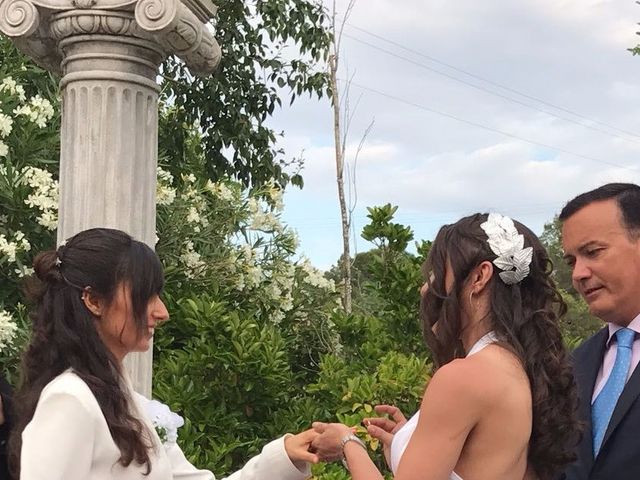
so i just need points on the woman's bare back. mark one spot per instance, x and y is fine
(497, 447)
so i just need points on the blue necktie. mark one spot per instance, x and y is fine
(605, 402)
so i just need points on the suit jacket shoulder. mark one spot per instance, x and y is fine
(593, 345)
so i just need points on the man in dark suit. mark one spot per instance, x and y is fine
(601, 241)
(5, 425)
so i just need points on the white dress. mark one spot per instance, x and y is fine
(68, 439)
(403, 436)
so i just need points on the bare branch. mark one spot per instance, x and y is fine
(353, 183)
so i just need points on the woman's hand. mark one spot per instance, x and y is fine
(384, 428)
(297, 447)
(328, 443)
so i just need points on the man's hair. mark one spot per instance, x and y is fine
(626, 195)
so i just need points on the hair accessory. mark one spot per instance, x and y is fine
(505, 241)
(59, 252)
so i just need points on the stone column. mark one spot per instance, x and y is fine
(108, 53)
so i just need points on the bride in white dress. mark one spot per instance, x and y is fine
(502, 402)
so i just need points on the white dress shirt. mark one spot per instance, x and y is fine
(68, 439)
(610, 355)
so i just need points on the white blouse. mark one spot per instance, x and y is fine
(68, 439)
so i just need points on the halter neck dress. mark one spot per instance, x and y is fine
(403, 436)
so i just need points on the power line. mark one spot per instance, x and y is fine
(488, 128)
(490, 92)
(491, 82)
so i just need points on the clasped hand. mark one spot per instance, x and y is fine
(327, 444)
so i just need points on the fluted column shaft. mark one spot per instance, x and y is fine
(109, 137)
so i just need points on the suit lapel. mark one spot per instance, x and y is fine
(587, 367)
(627, 397)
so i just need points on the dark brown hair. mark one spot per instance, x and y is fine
(626, 195)
(64, 334)
(524, 317)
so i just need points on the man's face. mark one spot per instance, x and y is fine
(605, 260)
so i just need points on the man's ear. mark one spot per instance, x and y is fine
(480, 276)
(93, 302)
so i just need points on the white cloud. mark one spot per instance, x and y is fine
(571, 54)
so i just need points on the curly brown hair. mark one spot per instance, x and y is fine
(525, 318)
(64, 334)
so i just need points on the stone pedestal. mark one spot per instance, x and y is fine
(108, 53)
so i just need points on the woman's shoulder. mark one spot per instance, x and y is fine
(482, 376)
(69, 385)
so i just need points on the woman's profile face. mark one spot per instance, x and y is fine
(118, 328)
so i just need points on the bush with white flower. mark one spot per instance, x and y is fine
(29, 154)
(8, 329)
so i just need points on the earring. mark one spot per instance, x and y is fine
(471, 301)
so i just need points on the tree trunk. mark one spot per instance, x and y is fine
(337, 132)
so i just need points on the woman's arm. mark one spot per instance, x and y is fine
(286, 458)
(329, 446)
(451, 407)
(58, 442)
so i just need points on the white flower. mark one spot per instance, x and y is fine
(252, 205)
(20, 92)
(24, 110)
(192, 260)
(247, 252)
(9, 85)
(164, 421)
(277, 317)
(266, 222)
(274, 291)
(191, 178)
(220, 190)
(165, 195)
(4, 149)
(48, 220)
(44, 196)
(193, 216)
(314, 277)
(254, 275)
(10, 249)
(275, 195)
(6, 125)
(293, 239)
(43, 111)
(164, 176)
(287, 303)
(8, 329)
(24, 271)
(39, 111)
(239, 282)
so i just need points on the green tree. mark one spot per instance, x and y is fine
(267, 46)
(578, 324)
(395, 276)
(551, 238)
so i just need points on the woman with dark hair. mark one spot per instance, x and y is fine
(502, 404)
(97, 299)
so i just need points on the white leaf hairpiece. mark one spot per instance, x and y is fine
(505, 241)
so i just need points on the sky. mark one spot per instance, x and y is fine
(511, 107)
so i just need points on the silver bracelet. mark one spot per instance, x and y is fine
(346, 439)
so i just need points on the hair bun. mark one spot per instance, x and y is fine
(46, 267)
